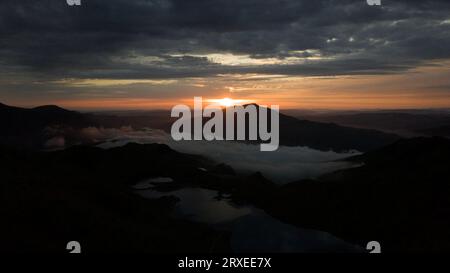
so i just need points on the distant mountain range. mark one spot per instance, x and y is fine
(27, 128)
(398, 196)
(33, 127)
(330, 136)
(15, 119)
(407, 123)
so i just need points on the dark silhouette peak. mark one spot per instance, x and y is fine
(50, 108)
(252, 104)
(44, 108)
(8, 107)
(2, 105)
(39, 108)
(258, 106)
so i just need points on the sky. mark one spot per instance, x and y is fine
(152, 54)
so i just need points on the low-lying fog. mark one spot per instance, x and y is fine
(287, 164)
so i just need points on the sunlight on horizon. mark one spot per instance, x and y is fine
(228, 102)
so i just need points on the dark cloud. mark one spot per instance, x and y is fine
(145, 39)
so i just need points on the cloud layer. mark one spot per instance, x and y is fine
(48, 47)
(173, 38)
(287, 164)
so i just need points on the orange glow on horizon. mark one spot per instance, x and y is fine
(420, 88)
(336, 102)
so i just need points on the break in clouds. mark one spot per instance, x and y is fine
(287, 164)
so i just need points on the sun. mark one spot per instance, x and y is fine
(227, 102)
